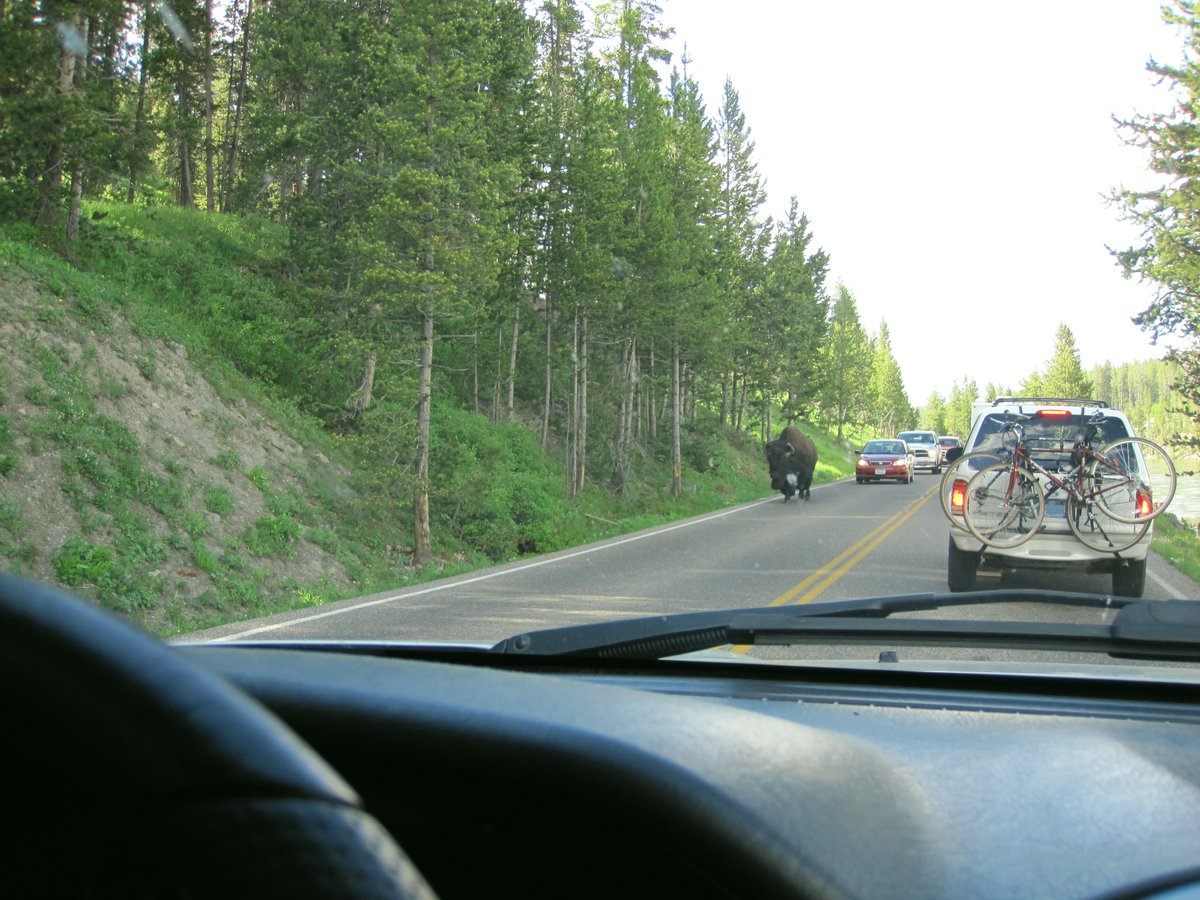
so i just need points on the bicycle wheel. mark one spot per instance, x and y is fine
(957, 475)
(1133, 480)
(1100, 531)
(1004, 506)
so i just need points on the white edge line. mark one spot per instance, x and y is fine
(445, 586)
(1162, 582)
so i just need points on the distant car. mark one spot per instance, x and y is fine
(885, 460)
(947, 443)
(925, 450)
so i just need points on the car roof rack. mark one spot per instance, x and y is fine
(1071, 401)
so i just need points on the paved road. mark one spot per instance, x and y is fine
(847, 541)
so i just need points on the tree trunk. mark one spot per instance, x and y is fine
(475, 371)
(422, 541)
(735, 412)
(573, 423)
(739, 405)
(579, 463)
(676, 418)
(620, 475)
(76, 209)
(186, 197)
(139, 117)
(494, 415)
(243, 79)
(360, 401)
(512, 366)
(653, 401)
(546, 395)
(56, 156)
(210, 182)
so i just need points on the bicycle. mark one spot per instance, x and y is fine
(1112, 494)
(958, 474)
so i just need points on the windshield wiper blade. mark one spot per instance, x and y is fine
(1149, 629)
(656, 637)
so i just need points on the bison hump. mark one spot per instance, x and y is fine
(801, 444)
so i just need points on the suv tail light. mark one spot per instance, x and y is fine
(1054, 413)
(1144, 507)
(958, 496)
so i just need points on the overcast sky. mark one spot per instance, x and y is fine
(953, 158)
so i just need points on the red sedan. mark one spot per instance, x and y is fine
(884, 460)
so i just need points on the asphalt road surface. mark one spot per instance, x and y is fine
(848, 541)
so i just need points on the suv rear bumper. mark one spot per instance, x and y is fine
(1049, 550)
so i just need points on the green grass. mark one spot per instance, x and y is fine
(1178, 543)
(152, 536)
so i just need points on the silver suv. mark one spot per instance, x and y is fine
(924, 447)
(1051, 429)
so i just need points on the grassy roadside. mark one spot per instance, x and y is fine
(1178, 544)
(156, 456)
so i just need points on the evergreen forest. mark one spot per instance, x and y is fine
(437, 217)
(523, 211)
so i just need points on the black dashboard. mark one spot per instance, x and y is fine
(674, 780)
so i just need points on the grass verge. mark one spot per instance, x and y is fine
(1177, 543)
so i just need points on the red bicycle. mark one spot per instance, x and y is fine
(1112, 494)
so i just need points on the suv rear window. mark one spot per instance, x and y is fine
(1046, 433)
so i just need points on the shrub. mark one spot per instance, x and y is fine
(80, 562)
(491, 487)
(273, 536)
(218, 500)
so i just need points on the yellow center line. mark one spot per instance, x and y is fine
(844, 561)
(876, 538)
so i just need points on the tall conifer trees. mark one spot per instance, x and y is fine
(488, 202)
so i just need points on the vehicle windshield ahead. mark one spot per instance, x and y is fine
(488, 318)
(883, 447)
(1046, 433)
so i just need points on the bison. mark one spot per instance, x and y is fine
(792, 459)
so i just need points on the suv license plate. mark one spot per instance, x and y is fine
(1056, 509)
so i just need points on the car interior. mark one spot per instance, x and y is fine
(154, 770)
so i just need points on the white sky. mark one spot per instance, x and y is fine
(952, 157)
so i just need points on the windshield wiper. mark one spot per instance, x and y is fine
(1151, 629)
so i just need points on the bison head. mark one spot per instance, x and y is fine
(778, 453)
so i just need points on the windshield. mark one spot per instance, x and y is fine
(1046, 432)
(326, 322)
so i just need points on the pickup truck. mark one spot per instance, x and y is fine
(924, 447)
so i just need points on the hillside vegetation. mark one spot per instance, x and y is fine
(161, 451)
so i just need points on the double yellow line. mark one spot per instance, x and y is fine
(817, 583)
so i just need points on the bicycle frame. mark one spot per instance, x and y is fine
(1072, 481)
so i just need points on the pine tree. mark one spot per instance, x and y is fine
(958, 409)
(1168, 216)
(1064, 375)
(933, 415)
(741, 244)
(845, 363)
(789, 321)
(891, 410)
(687, 323)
